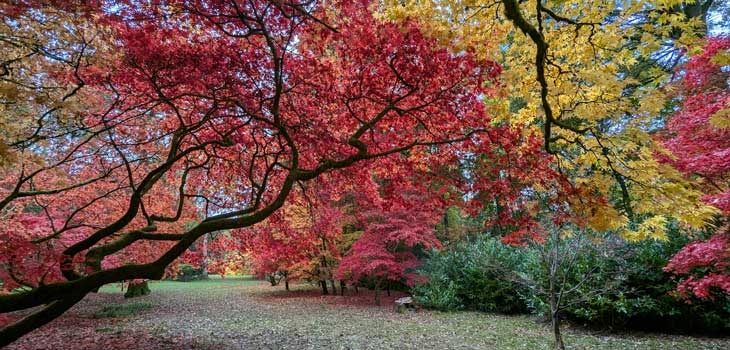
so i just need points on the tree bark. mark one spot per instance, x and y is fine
(334, 289)
(559, 345)
(39, 318)
(137, 290)
(554, 310)
(272, 279)
(377, 293)
(324, 287)
(204, 264)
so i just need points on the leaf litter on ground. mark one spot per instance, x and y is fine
(241, 313)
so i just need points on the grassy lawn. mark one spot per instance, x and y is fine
(241, 313)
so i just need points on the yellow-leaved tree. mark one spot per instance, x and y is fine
(40, 84)
(590, 77)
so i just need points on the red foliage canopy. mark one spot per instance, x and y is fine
(191, 117)
(702, 149)
(392, 230)
(707, 265)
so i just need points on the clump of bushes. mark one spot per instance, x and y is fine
(474, 276)
(189, 273)
(646, 298)
(621, 285)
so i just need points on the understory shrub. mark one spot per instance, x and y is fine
(475, 275)
(617, 285)
(646, 299)
(189, 273)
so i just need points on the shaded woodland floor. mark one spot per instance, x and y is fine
(241, 313)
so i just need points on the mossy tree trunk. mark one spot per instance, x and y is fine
(137, 290)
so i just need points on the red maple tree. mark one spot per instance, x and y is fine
(701, 148)
(192, 117)
(299, 241)
(393, 229)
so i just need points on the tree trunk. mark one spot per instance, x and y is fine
(554, 316)
(559, 345)
(334, 289)
(137, 290)
(324, 287)
(204, 263)
(377, 292)
(556, 292)
(387, 291)
(286, 284)
(342, 287)
(272, 279)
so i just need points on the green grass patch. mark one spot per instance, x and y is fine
(108, 329)
(122, 310)
(240, 312)
(165, 286)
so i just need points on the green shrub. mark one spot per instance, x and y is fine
(645, 299)
(475, 275)
(584, 270)
(438, 295)
(188, 273)
(620, 285)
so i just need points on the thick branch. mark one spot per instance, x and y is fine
(513, 13)
(48, 313)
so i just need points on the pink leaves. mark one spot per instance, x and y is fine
(719, 200)
(25, 262)
(703, 287)
(714, 251)
(707, 265)
(700, 147)
(702, 73)
(703, 149)
(370, 67)
(385, 249)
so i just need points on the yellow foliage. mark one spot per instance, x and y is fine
(6, 156)
(722, 58)
(606, 218)
(29, 93)
(653, 227)
(721, 118)
(587, 84)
